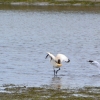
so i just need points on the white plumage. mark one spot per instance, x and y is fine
(95, 63)
(57, 61)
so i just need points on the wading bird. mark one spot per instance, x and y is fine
(57, 61)
(95, 63)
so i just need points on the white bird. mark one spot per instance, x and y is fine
(95, 63)
(57, 61)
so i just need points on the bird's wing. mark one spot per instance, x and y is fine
(95, 63)
(62, 58)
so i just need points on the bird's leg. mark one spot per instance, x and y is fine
(54, 72)
(57, 71)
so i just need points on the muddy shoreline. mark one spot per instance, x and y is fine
(52, 6)
(49, 8)
(13, 92)
(54, 3)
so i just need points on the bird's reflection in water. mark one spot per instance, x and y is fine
(56, 83)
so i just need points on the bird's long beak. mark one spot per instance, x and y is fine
(46, 56)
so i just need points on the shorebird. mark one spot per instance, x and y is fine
(95, 63)
(57, 61)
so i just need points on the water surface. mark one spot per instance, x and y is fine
(26, 36)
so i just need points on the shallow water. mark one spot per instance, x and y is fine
(26, 36)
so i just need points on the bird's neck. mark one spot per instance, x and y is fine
(59, 62)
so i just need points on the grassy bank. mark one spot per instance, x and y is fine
(53, 2)
(31, 93)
